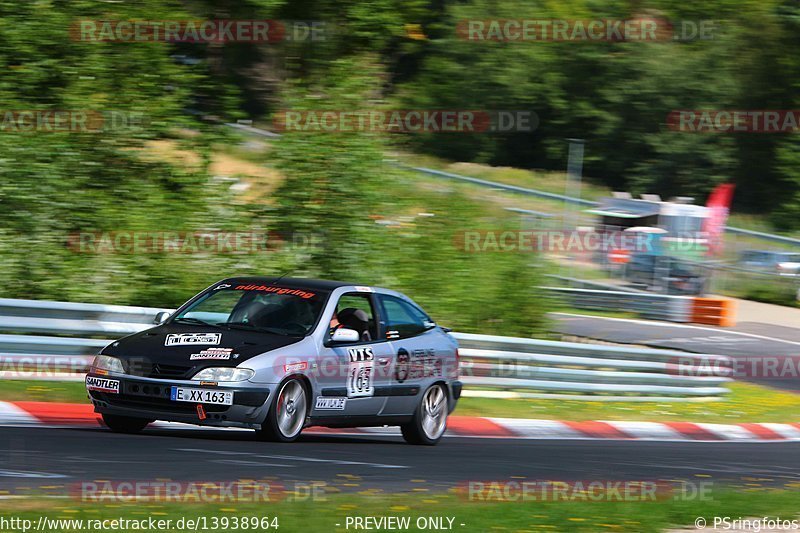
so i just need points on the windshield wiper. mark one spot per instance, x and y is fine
(251, 327)
(191, 320)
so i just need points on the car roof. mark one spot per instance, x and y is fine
(319, 284)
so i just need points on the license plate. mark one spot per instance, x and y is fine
(183, 394)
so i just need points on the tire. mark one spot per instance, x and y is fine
(125, 424)
(287, 413)
(430, 418)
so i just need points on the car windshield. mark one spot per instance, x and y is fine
(265, 308)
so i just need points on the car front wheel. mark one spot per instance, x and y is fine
(430, 419)
(287, 414)
(125, 424)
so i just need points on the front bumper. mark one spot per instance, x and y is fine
(150, 398)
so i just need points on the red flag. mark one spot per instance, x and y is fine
(719, 204)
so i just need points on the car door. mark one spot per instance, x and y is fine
(352, 375)
(422, 352)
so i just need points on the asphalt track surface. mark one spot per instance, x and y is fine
(48, 457)
(750, 340)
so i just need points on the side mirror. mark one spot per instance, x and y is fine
(345, 335)
(161, 317)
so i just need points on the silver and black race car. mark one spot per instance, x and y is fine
(277, 355)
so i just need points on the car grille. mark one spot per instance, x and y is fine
(161, 370)
(145, 369)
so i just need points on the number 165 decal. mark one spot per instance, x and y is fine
(360, 372)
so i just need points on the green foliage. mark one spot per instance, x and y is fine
(358, 215)
(618, 96)
(337, 186)
(56, 185)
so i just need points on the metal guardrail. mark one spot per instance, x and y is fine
(603, 285)
(766, 236)
(511, 363)
(71, 325)
(537, 368)
(504, 186)
(647, 305)
(36, 316)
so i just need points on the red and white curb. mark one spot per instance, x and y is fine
(46, 414)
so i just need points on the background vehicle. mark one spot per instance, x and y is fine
(665, 273)
(786, 263)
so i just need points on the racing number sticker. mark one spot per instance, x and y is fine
(360, 372)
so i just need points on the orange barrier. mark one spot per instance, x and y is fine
(714, 311)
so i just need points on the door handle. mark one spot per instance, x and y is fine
(383, 360)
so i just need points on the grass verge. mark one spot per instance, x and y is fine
(745, 403)
(12, 390)
(332, 514)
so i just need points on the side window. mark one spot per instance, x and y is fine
(403, 319)
(354, 311)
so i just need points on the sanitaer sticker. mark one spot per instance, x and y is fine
(102, 384)
(335, 404)
(176, 339)
(212, 353)
(295, 367)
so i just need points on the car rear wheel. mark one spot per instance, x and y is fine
(125, 424)
(430, 419)
(287, 414)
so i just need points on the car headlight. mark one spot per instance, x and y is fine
(107, 363)
(224, 374)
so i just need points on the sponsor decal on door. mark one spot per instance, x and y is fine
(334, 404)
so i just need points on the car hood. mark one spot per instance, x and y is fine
(179, 351)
